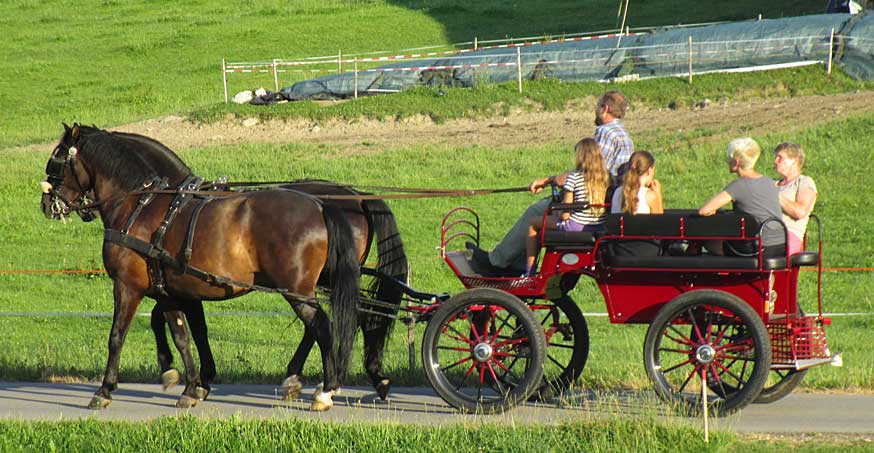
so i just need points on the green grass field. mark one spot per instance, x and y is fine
(112, 62)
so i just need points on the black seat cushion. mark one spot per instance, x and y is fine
(568, 239)
(804, 259)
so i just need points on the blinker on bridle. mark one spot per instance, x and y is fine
(55, 169)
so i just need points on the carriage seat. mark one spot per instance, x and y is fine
(678, 225)
(568, 240)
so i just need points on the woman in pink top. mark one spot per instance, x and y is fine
(797, 192)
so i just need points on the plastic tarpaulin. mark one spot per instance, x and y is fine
(661, 53)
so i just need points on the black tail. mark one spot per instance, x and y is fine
(343, 275)
(391, 261)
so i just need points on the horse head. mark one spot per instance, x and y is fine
(68, 185)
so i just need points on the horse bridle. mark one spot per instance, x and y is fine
(55, 169)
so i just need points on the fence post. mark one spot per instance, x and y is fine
(690, 59)
(225, 79)
(355, 68)
(275, 75)
(475, 43)
(831, 46)
(519, 68)
(339, 61)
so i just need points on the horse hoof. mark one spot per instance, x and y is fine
(99, 402)
(201, 392)
(291, 388)
(322, 401)
(170, 378)
(382, 388)
(186, 402)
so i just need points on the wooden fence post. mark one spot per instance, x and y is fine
(339, 61)
(225, 79)
(355, 68)
(275, 75)
(831, 46)
(690, 59)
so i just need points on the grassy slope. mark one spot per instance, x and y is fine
(111, 62)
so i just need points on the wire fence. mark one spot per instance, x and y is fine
(489, 64)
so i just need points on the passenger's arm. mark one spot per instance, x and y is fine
(654, 198)
(801, 207)
(538, 184)
(567, 199)
(719, 200)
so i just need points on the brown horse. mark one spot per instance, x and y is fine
(208, 248)
(371, 220)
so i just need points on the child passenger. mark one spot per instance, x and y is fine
(640, 193)
(587, 183)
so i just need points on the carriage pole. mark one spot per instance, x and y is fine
(225, 79)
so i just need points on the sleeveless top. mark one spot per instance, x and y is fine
(618, 199)
(790, 192)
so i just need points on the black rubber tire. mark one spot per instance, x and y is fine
(785, 382)
(509, 375)
(738, 337)
(567, 331)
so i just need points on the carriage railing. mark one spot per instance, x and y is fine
(450, 226)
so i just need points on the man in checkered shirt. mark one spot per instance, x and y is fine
(508, 257)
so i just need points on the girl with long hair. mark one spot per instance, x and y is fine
(640, 192)
(586, 184)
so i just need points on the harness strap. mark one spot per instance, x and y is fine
(150, 251)
(192, 223)
(144, 201)
(183, 196)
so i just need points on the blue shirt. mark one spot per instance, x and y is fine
(616, 145)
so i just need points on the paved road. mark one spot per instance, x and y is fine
(801, 412)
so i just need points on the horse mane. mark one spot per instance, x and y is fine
(130, 159)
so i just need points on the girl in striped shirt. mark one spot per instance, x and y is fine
(586, 184)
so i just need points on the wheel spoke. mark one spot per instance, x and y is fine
(688, 378)
(719, 381)
(460, 336)
(464, 360)
(683, 363)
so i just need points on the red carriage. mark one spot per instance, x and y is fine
(732, 324)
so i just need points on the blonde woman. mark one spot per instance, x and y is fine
(752, 193)
(587, 183)
(797, 192)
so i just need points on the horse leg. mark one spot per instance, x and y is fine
(374, 344)
(180, 338)
(197, 324)
(169, 376)
(127, 300)
(316, 321)
(292, 386)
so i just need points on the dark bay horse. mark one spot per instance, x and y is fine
(216, 248)
(371, 220)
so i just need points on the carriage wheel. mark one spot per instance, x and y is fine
(567, 345)
(729, 342)
(780, 382)
(483, 351)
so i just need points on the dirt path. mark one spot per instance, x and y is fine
(717, 121)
